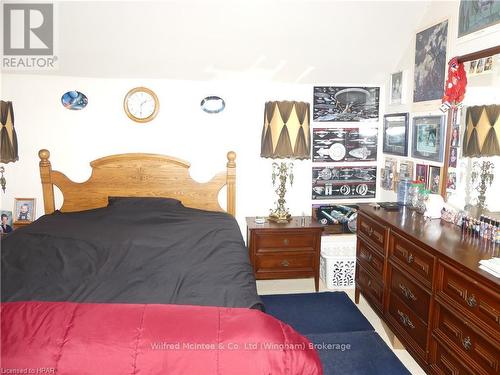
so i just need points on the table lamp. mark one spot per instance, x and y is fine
(482, 140)
(285, 135)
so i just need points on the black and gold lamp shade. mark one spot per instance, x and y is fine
(482, 131)
(8, 136)
(285, 134)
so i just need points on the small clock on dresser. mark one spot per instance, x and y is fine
(141, 104)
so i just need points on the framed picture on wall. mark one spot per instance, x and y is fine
(396, 134)
(346, 103)
(475, 15)
(24, 209)
(430, 63)
(428, 138)
(396, 88)
(421, 173)
(434, 184)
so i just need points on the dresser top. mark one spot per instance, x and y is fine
(444, 238)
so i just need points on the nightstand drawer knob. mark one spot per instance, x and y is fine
(285, 241)
(285, 263)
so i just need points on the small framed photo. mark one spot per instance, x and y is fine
(488, 64)
(396, 88)
(389, 175)
(421, 173)
(434, 179)
(451, 183)
(6, 222)
(395, 137)
(428, 138)
(452, 162)
(406, 169)
(24, 209)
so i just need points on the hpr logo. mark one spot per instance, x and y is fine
(28, 29)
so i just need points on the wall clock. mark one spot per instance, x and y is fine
(141, 104)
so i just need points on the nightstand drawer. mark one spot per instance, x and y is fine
(279, 262)
(469, 342)
(285, 240)
(412, 258)
(414, 296)
(375, 232)
(370, 258)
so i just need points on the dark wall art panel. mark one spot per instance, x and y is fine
(344, 144)
(346, 104)
(344, 182)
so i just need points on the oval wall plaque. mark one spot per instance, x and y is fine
(213, 104)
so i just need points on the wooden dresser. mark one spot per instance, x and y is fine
(285, 251)
(423, 280)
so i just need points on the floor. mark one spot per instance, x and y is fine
(307, 286)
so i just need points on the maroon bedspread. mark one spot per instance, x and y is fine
(66, 338)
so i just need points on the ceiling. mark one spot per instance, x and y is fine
(285, 41)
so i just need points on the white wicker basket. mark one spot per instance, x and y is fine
(338, 261)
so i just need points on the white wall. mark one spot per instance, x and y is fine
(181, 129)
(437, 12)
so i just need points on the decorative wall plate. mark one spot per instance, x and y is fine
(74, 100)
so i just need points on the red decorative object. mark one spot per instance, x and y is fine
(454, 90)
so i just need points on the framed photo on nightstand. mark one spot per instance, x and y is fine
(24, 210)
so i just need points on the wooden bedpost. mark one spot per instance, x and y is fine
(231, 183)
(47, 186)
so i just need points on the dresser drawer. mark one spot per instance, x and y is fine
(370, 258)
(414, 296)
(479, 304)
(371, 287)
(448, 364)
(403, 317)
(285, 240)
(372, 230)
(469, 342)
(284, 262)
(412, 258)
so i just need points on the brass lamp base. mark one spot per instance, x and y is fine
(282, 172)
(279, 217)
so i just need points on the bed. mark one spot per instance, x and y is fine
(142, 269)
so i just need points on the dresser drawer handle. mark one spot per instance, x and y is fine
(471, 301)
(410, 259)
(467, 343)
(285, 241)
(407, 292)
(367, 256)
(405, 319)
(370, 231)
(285, 263)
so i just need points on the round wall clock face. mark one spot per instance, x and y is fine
(141, 104)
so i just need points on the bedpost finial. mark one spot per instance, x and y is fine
(44, 154)
(231, 157)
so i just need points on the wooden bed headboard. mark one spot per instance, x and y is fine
(137, 175)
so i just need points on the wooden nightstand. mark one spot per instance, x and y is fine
(20, 224)
(285, 251)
